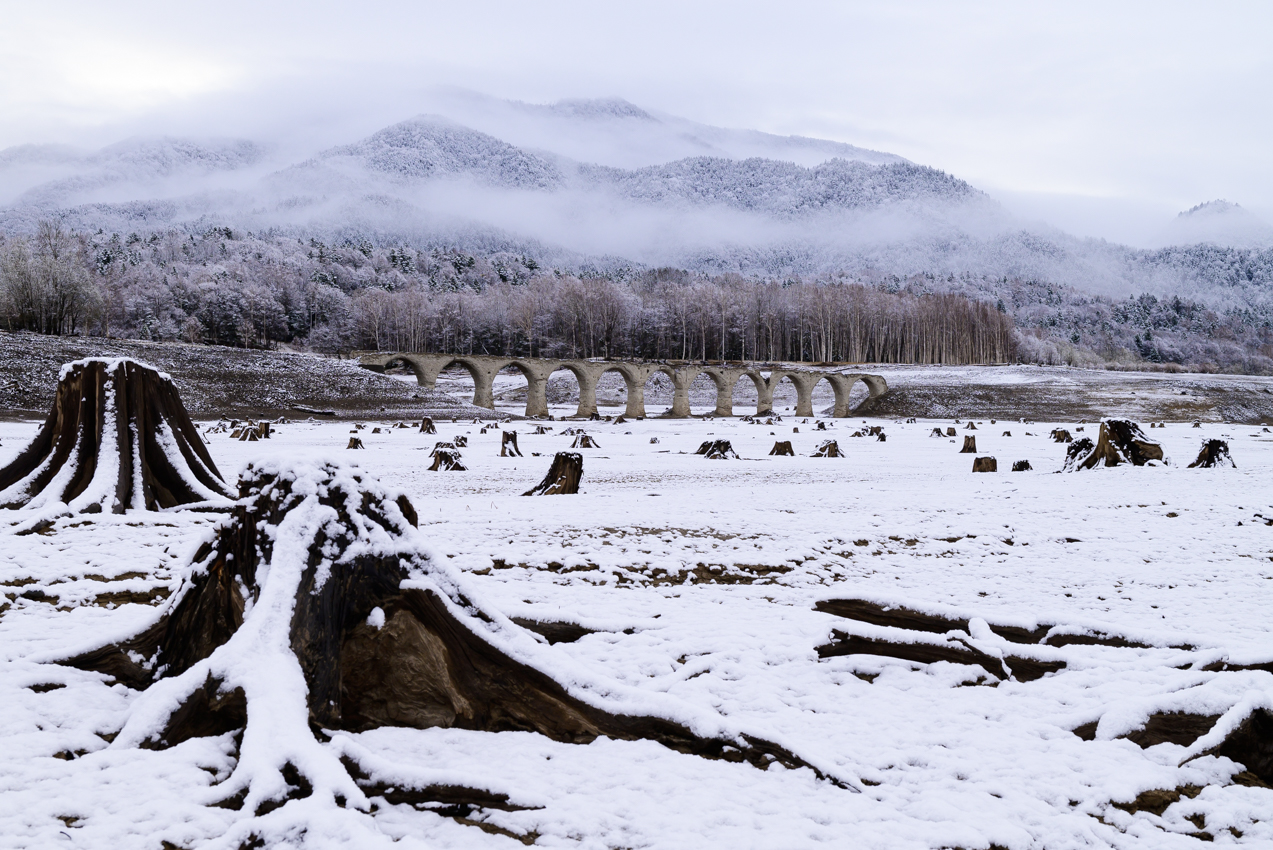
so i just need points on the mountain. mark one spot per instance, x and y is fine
(605, 184)
(1218, 223)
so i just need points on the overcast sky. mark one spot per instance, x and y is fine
(1106, 118)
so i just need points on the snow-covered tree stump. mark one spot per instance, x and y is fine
(427, 426)
(508, 445)
(985, 464)
(563, 476)
(447, 460)
(1213, 453)
(118, 438)
(316, 606)
(583, 441)
(970, 445)
(782, 448)
(717, 450)
(1021, 466)
(829, 448)
(1120, 441)
(1060, 435)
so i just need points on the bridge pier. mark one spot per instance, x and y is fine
(804, 384)
(681, 380)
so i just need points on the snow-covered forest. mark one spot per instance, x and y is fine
(234, 288)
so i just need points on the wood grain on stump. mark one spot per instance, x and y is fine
(563, 476)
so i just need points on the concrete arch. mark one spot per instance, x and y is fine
(587, 387)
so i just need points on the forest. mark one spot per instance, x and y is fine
(226, 287)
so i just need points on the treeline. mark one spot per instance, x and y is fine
(235, 289)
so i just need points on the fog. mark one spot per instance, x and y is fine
(1103, 122)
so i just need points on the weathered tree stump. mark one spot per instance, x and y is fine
(508, 445)
(1021, 466)
(117, 438)
(971, 426)
(1213, 453)
(654, 441)
(540, 429)
(881, 437)
(447, 460)
(427, 426)
(795, 430)
(1007, 433)
(461, 442)
(249, 435)
(620, 421)
(936, 432)
(1120, 441)
(829, 448)
(296, 618)
(563, 476)
(441, 445)
(875, 430)
(821, 426)
(950, 432)
(782, 449)
(595, 417)
(583, 441)
(970, 445)
(1060, 435)
(1078, 449)
(355, 443)
(985, 464)
(1197, 424)
(717, 450)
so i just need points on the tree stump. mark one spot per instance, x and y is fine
(950, 432)
(461, 442)
(1078, 449)
(354, 443)
(1060, 435)
(782, 449)
(249, 435)
(441, 445)
(1197, 424)
(447, 460)
(820, 426)
(971, 426)
(620, 421)
(985, 464)
(508, 445)
(427, 426)
(936, 432)
(296, 618)
(117, 438)
(563, 476)
(595, 417)
(717, 450)
(970, 445)
(1120, 441)
(540, 429)
(881, 437)
(1021, 466)
(829, 448)
(654, 441)
(583, 441)
(1213, 453)
(795, 430)
(1007, 433)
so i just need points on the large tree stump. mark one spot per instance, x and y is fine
(1120, 441)
(117, 438)
(508, 445)
(985, 464)
(1060, 435)
(936, 432)
(427, 426)
(563, 476)
(782, 448)
(829, 448)
(1213, 453)
(970, 445)
(447, 460)
(717, 450)
(316, 605)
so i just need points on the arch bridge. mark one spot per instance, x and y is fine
(537, 371)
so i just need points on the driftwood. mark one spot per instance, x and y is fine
(1120, 441)
(970, 445)
(1213, 453)
(563, 476)
(447, 460)
(782, 449)
(316, 606)
(427, 426)
(508, 445)
(829, 448)
(717, 450)
(985, 464)
(583, 441)
(1021, 466)
(117, 438)
(355, 443)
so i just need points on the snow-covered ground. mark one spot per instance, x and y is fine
(698, 579)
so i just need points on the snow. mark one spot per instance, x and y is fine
(698, 579)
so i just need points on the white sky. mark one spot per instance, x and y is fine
(1105, 118)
